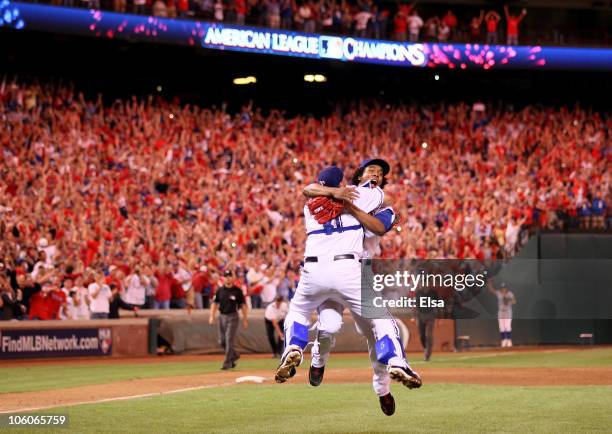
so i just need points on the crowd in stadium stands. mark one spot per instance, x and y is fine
(362, 18)
(143, 203)
(382, 19)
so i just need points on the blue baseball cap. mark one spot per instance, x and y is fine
(331, 176)
(376, 162)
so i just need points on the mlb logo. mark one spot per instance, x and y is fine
(330, 47)
(105, 338)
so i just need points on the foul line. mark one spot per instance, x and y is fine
(498, 354)
(120, 398)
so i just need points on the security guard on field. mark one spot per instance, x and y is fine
(228, 300)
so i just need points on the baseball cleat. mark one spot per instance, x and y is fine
(315, 375)
(287, 366)
(387, 404)
(406, 376)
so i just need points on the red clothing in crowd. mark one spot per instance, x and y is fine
(164, 287)
(492, 25)
(55, 300)
(183, 5)
(91, 252)
(177, 290)
(241, 7)
(46, 305)
(199, 281)
(38, 306)
(513, 23)
(111, 280)
(421, 253)
(450, 21)
(400, 24)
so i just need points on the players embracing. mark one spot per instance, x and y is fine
(331, 278)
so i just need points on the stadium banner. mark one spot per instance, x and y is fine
(30, 343)
(111, 25)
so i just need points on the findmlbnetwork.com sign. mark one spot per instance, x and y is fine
(55, 343)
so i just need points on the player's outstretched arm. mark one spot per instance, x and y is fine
(339, 193)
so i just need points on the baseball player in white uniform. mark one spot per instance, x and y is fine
(332, 271)
(505, 301)
(371, 173)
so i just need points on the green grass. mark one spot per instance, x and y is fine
(354, 409)
(45, 377)
(502, 359)
(508, 359)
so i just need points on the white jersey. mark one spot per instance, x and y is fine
(82, 310)
(134, 291)
(274, 313)
(344, 234)
(101, 303)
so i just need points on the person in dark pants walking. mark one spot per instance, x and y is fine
(275, 321)
(427, 319)
(228, 300)
(116, 302)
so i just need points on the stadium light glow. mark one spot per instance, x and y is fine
(245, 80)
(315, 78)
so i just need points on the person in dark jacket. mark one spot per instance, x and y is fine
(229, 299)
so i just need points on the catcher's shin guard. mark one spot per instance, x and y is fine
(385, 349)
(298, 335)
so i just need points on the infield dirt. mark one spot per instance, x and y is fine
(11, 402)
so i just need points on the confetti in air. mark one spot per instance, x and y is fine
(476, 55)
(10, 16)
(151, 27)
